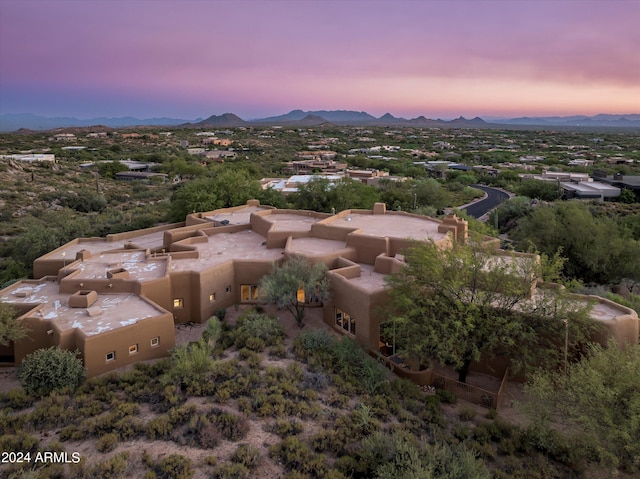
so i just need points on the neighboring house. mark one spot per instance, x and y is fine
(63, 137)
(31, 157)
(116, 299)
(314, 165)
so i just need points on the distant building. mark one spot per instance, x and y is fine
(31, 157)
(63, 137)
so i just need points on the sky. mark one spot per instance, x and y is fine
(438, 58)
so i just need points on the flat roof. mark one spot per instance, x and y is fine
(110, 311)
(391, 225)
(223, 247)
(312, 246)
(369, 279)
(604, 312)
(98, 245)
(136, 263)
(239, 217)
(291, 221)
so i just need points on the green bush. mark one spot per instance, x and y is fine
(107, 443)
(296, 456)
(175, 466)
(16, 399)
(255, 331)
(231, 470)
(115, 467)
(47, 370)
(246, 455)
(190, 363)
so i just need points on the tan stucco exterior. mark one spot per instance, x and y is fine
(116, 299)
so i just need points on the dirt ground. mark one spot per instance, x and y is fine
(257, 436)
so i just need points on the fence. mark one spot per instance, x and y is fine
(474, 394)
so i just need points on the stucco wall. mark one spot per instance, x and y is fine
(95, 348)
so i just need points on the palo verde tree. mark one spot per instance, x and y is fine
(456, 305)
(293, 283)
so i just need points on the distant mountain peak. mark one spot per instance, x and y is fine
(226, 119)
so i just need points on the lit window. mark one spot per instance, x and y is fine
(178, 303)
(249, 292)
(300, 296)
(345, 321)
(155, 342)
(212, 297)
(133, 349)
(110, 356)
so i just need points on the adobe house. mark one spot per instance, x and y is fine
(117, 299)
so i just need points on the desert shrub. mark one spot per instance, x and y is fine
(286, 427)
(221, 314)
(15, 399)
(405, 389)
(159, 427)
(231, 470)
(212, 332)
(73, 433)
(462, 432)
(246, 455)
(115, 467)
(51, 411)
(175, 466)
(190, 363)
(278, 351)
(107, 443)
(47, 370)
(296, 456)
(446, 397)
(208, 435)
(248, 353)
(20, 442)
(232, 426)
(316, 342)
(255, 331)
(467, 413)
(11, 423)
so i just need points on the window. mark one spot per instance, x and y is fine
(178, 303)
(155, 342)
(227, 289)
(345, 321)
(110, 356)
(300, 295)
(249, 292)
(212, 297)
(133, 349)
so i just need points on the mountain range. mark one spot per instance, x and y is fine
(300, 118)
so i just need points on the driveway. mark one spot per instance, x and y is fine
(493, 199)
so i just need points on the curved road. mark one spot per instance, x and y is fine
(493, 199)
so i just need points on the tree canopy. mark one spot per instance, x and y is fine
(600, 398)
(597, 249)
(285, 284)
(10, 329)
(226, 189)
(458, 304)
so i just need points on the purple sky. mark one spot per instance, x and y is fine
(438, 58)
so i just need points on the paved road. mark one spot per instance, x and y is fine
(493, 199)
